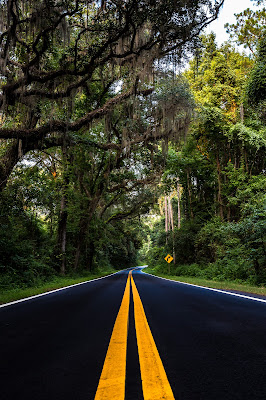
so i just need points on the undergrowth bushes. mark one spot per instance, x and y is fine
(232, 251)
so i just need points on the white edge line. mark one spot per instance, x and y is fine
(54, 291)
(207, 288)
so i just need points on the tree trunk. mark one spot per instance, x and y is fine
(62, 232)
(189, 195)
(178, 205)
(219, 195)
(174, 258)
(246, 160)
(241, 113)
(83, 226)
(77, 256)
(91, 255)
(170, 214)
(257, 267)
(228, 213)
(62, 223)
(18, 148)
(171, 223)
(8, 161)
(166, 220)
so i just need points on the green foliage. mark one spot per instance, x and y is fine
(75, 201)
(25, 247)
(28, 212)
(217, 76)
(51, 283)
(221, 168)
(247, 137)
(184, 243)
(156, 256)
(118, 245)
(256, 86)
(248, 27)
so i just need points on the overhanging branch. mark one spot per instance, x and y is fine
(64, 127)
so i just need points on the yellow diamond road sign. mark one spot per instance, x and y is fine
(168, 258)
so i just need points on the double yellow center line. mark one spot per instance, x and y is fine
(155, 384)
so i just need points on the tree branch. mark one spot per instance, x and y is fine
(64, 127)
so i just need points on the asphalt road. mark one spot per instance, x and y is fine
(212, 345)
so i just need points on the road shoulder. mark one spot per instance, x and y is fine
(226, 286)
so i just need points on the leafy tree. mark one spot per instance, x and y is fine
(217, 76)
(54, 53)
(247, 30)
(80, 76)
(221, 169)
(256, 86)
(26, 242)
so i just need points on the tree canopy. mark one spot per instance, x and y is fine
(99, 129)
(247, 30)
(221, 170)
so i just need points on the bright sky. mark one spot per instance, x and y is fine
(230, 7)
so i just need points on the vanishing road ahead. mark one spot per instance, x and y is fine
(133, 336)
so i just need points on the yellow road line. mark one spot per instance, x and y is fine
(155, 384)
(112, 381)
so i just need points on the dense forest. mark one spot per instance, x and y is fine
(127, 133)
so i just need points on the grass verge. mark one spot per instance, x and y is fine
(223, 285)
(57, 282)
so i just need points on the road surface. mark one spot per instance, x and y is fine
(136, 337)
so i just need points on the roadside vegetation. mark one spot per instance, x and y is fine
(111, 157)
(211, 216)
(20, 291)
(241, 287)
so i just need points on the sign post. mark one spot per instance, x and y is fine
(169, 259)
